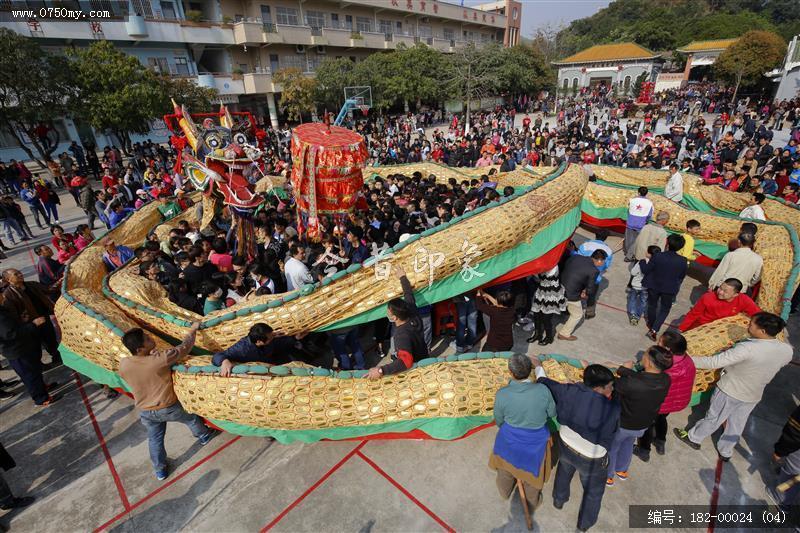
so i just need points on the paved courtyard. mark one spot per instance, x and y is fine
(85, 458)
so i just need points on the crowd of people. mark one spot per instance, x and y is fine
(604, 421)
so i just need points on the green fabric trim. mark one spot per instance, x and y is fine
(438, 428)
(709, 249)
(453, 285)
(92, 370)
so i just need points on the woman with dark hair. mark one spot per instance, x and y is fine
(641, 395)
(681, 375)
(179, 294)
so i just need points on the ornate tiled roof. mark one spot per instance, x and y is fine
(707, 46)
(609, 52)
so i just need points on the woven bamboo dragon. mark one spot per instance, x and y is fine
(441, 397)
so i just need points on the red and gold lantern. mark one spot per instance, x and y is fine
(326, 172)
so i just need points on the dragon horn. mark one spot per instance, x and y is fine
(175, 107)
(188, 127)
(226, 120)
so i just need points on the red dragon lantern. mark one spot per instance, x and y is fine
(218, 156)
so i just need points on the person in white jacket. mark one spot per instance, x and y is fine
(674, 188)
(754, 210)
(748, 367)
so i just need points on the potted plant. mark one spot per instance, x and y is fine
(237, 73)
(193, 15)
(226, 19)
(356, 35)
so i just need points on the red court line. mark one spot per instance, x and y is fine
(168, 484)
(117, 481)
(715, 495)
(405, 491)
(313, 487)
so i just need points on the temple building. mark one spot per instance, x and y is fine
(613, 66)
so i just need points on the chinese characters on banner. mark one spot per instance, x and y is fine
(426, 260)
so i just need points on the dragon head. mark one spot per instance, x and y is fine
(225, 154)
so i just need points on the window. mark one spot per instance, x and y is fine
(244, 67)
(168, 10)
(514, 14)
(286, 15)
(295, 61)
(363, 24)
(424, 31)
(142, 7)
(574, 84)
(627, 83)
(566, 84)
(398, 27)
(104, 5)
(158, 64)
(449, 34)
(315, 19)
(348, 22)
(385, 26)
(314, 61)
(182, 66)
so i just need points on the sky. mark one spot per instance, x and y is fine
(539, 13)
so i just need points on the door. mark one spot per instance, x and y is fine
(274, 64)
(266, 14)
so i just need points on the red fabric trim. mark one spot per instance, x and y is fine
(405, 357)
(538, 265)
(416, 434)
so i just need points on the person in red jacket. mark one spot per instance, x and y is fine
(726, 301)
(681, 375)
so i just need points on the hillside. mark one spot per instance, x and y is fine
(668, 24)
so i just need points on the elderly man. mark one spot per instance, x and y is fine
(115, 256)
(749, 366)
(742, 263)
(20, 344)
(522, 445)
(651, 235)
(674, 188)
(148, 372)
(27, 301)
(727, 300)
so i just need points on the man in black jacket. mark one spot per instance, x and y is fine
(663, 276)
(21, 344)
(409, 333)
(579, 279)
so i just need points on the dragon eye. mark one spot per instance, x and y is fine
(240, 138)
(214, 141)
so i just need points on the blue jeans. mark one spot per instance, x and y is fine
(592, 473)
(51, 210)
(467, 325)
(637, 302)
(8, 225)
(156, 423)
(619, 456)
(344, 344)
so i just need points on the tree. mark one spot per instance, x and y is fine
(185, 91)
(117, 93)
(36, 88)
(522, 70)
(469, 75)
(746, 60)
(638, 83)
(333, 75)
(377, 71)
(416, 75)
(297, 92)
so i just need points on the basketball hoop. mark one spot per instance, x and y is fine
(364, 109)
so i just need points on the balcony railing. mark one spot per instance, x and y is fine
(316, 31)
(270, 27)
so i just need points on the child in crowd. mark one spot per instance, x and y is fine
(637, 294)
(692, 230)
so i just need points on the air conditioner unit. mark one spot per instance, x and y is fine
(321, 50)
(300, 49)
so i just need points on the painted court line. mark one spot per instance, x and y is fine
(169, 483)
(405, 491)
(313, 487)
(715, 494)
(117, 481)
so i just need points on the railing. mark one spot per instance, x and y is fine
(316, 31)
(269, 27)
(388, 37)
